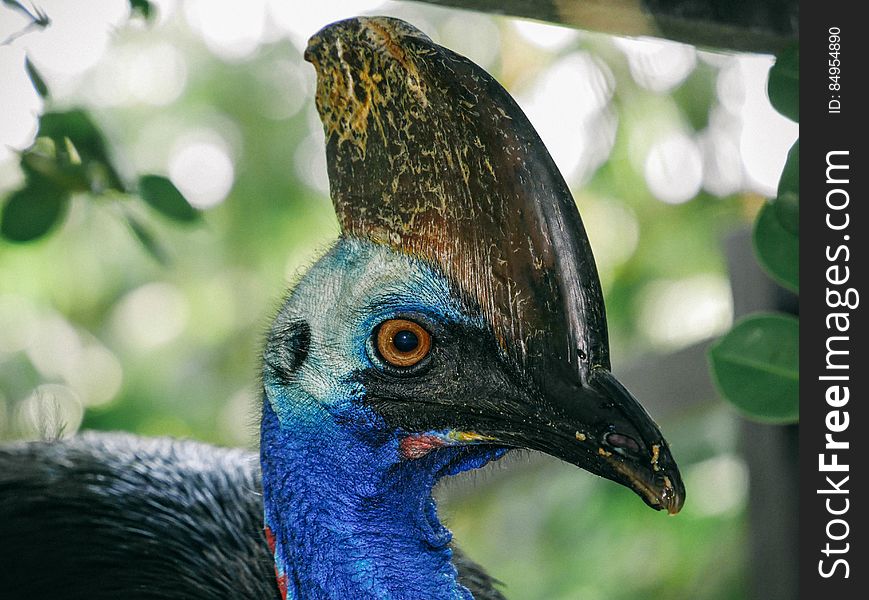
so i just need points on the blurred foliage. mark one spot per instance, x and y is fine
(756, 365)
(170, 346)
(784, 83)
(37, 19)
(31, 211)
(36, 79)
(164, 197)
(70, 155)
(142, 8)
(777, 228)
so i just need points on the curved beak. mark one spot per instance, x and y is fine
(634, 449)
(600, 427)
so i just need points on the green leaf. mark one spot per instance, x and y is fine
(78, 140)
(76, 125)
(163, 196)
(142, 8)
(148, 240)
(777, 248)
(790, 175)
(36, 78)
(61, 173)
(787, 203)
(787, 211)
(756, 367)
(777, 229)
(784, 83)
(16, 4)
(32, 211)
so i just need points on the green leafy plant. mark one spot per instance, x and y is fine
(70, 156)
(756, 365)
(143, 9)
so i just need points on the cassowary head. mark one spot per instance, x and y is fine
(460, 313)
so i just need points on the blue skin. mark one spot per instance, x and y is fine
(351, 517)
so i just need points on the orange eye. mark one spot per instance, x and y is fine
(402, 343)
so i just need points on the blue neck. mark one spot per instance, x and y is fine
(348, 518)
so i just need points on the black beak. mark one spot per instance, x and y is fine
(601, 428)
(628, 445)
(635, 449)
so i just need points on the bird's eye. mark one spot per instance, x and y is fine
(402, 343)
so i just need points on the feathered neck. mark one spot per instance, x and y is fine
(346, 519)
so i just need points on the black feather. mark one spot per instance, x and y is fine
(104, 516)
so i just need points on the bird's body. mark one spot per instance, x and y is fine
(108, 516)
(103, 516)
(458, 316)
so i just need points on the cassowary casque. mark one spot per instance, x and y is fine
(458, 316)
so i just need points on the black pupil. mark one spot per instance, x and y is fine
(405, 341)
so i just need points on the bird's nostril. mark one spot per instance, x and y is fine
(619, 440)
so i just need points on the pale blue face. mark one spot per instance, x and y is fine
(324, 447)
(342, 299)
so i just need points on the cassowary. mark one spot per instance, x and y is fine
(458, 316)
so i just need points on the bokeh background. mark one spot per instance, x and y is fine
(667, 148)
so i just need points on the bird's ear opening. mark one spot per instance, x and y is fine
(287, 346)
